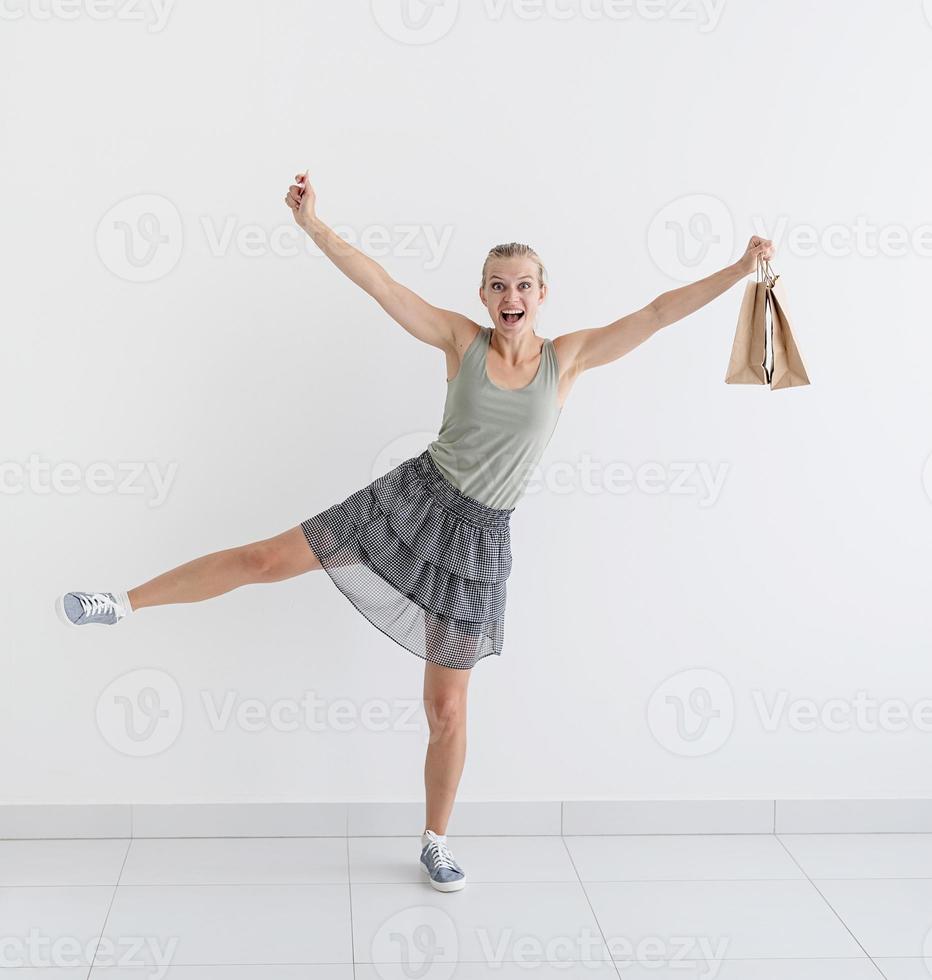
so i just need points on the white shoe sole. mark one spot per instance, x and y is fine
(443, 886)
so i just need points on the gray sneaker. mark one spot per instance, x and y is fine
(445, 874)
(81, 608)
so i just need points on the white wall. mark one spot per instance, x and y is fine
(265, 387)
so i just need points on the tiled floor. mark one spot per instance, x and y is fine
(748, 906)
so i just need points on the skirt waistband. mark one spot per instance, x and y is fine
(450, 496)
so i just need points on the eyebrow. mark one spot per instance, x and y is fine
(520, 278)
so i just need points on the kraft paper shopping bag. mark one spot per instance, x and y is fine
(748, 352)
(788, 368)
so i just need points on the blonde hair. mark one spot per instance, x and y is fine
(515, 250)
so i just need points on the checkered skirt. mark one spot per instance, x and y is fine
(422, 561)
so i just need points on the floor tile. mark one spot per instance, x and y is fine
(784, 969)
(485, 923)
(52, 926)
(236, 861)
(226, 924)
(718, 920)
(61, 862)
(329, 971)
(889, 916)
(862, 855)
(905, 968)
(604, 970)
(681, 857)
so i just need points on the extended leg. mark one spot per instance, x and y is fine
(270, 560)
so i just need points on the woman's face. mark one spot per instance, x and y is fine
(511, 285)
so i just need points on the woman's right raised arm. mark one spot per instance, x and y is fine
(430, 324)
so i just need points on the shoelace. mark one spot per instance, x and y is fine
(440, 854)
(98, 602)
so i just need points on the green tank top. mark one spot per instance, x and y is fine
(491, 438)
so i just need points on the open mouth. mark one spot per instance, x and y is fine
(512, 316)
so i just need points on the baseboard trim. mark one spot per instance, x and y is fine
(510, 818)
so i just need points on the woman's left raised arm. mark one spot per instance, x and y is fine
(602, 345)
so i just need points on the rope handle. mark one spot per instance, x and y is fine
(764, 272)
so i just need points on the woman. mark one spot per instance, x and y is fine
(423, 552)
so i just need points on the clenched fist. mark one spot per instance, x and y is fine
(301, 199)
(758, 248)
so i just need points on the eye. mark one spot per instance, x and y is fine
(526, 284)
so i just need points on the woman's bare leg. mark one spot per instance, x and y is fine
(445, 707)
(270, 560)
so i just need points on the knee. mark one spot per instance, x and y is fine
(262, 561)
(445, 713)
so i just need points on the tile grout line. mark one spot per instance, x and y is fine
(349, 886)
(579, 880)
(103, 927)
(792, 857)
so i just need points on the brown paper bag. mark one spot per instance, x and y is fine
(788, 370)
(748, 351)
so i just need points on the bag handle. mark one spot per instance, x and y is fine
(764, 271)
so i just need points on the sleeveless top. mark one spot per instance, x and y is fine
(491, 438)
